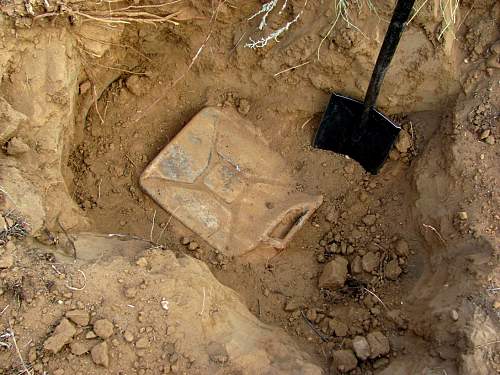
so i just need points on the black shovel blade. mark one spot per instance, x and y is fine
(335, 133)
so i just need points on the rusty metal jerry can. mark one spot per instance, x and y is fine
(221, 180)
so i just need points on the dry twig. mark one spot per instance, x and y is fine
(436, 232)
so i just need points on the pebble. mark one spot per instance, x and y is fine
(128, 336)
(6, 261)
(379, 344)
(100, 354)
(343, 361)
(356, 265)
(490, 140)
(17, 147)
(84, 87)
(402, 248)
(462, 215)
(90, 335)
(369, 220)
(243, 106)
(454, 315)
(370, 261)
(142, 262)
(62, 335)
(292, 305)
(403, 142)
(484, 134)
(142, 343)
(103, 328)
(79, 317)
(78, 348)
(334, 274)
(392, 270)
(338, 328)
(193, 246)
(361, 347)
(185, 241)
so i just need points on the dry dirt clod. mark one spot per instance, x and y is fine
(142, 343)
(135, 85)
(369, 220)
(402, 248)
(63, 334)
(454, 315)
(334, 274)
(142, 262)
(392, 270)
(193, 246)
(9, 121)
(338, 328)
(379, 344)
(462, 215)
(485, 134)
(370, 261)
(490, 140)
(90, 335)
(243, 106)
(103, 328)
(84, 87)
(100, 354)
(185, 241)
(79, 317)
(361, 347)
(128, 336)
(403, 143)
(292, 305)
(356, 265)
(6, 261)
(17, 147)
(79, 348)
(343, 361)
(130, 292)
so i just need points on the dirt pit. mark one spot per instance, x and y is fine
(394, 274)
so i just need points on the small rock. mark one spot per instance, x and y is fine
(84, 87)
(361, 347)
(379, 344)
(292, 305)
(130, 292)
(496, 305)
(100, 354)
(462, 215)
(128, 336)
(490, 140)
(193, 246)
(78, 348)
(402, 248)
(356, 265)
(369, 220)
(6, 261)
(392, 270)
(454, 315)
(370, 261)
(311, 315)
(32, 355)
(142, 343)
(334, 274)
(403, 142)
(338, 328)
(185, 241)
(62, 335)
(343, 361)
(90, 335)
(103, 328)
(142, 262)
(17, 147)
(243, 106)
(79, 317)
(136, 86)
(484, 134)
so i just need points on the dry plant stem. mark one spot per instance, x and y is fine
(94, 94)
(167, 224)
(68, 237)
(291, 68)
(376, 297)
(152, 227)
(4, 309)
(126, 46)
(436, 232)
(311, 325)
(14, 341)
(203, 304)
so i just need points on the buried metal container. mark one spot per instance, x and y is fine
(221, 180)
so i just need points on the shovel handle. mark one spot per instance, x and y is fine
(399, 18)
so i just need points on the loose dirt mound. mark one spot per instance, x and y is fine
(394, 274)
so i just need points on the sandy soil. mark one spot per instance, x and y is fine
(85, 105)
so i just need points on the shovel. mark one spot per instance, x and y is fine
(357, 129)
